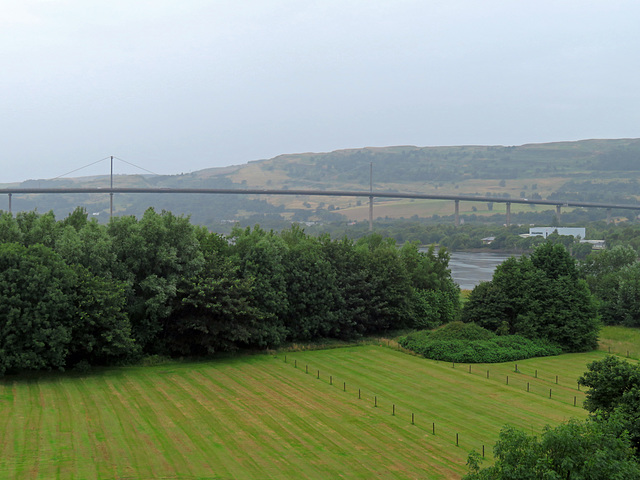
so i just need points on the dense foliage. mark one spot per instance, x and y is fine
(539, 297)
(74, 292)
(614, 392)
(588, 450)
(605, 446)
(468, 343)
(613, 275)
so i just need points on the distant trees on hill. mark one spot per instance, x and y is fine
(73, 292)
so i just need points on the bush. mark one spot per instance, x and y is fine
(442, 345)
(461, 331)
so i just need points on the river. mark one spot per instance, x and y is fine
(468, 269)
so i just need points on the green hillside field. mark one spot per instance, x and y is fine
(368, 411)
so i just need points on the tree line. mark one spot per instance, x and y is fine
(77, 293)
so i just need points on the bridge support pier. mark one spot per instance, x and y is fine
(508, 214)
(371, 213)
(608, 216)
(558, 213)
(457, 220)
(10, 203)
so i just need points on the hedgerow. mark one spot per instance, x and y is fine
(474, 344)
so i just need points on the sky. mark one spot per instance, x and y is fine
(178, 86)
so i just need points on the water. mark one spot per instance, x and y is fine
(468, 269)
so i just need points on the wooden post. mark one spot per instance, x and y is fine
(457, 440)
(527, 386)
(433, 428)
(507, 379)
(412, 420)
(375, 401)
(393, 411)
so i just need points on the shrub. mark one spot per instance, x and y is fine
(461, 331)
(490, 349)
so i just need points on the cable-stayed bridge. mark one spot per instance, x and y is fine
(371, 194)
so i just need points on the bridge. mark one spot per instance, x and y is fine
(328, 193)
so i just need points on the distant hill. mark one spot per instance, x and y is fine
(588, 170)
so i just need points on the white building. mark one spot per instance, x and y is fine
(546, 231)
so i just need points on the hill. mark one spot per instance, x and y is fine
(587, 170)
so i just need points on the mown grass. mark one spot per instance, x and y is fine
(263, 417)
(621, 340)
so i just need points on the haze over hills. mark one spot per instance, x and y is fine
(587, 170)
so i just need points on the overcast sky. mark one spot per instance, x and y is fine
(180, 85)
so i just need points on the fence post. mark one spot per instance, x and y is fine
(412, 422)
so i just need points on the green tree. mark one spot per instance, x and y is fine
(627, 304)
(311, 287)
(259, 256)
(101, 331)
(216, 313)
(603, 273)
(387, 286)
(614, 390)
(576, 450)
(37, 228)
(36, 308)
(488, 306)
(157, 257)
(541, 297)
(9, 230)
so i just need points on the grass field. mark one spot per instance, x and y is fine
(264, 417)
(620, 340)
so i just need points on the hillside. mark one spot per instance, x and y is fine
(587, 170)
